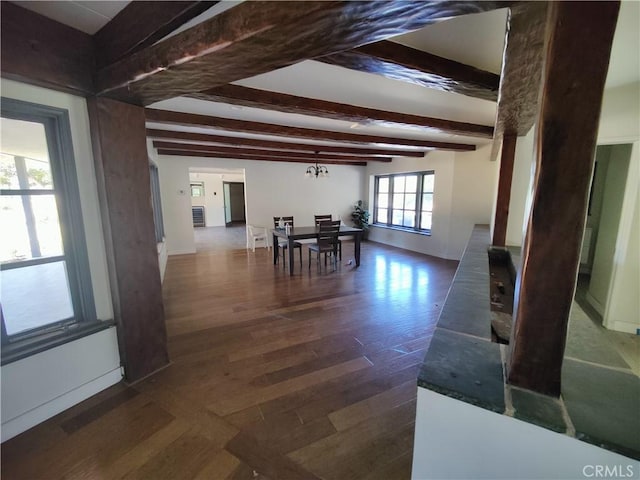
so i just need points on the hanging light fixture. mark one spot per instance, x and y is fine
(316, 171)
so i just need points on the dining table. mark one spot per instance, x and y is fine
(303, 233)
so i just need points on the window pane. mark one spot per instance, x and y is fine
(427, 185)
(383, 184)
(24, 163)
(397, 216)
(383, 200)
(398, 200)
(427, 201)
(410, 201)
(381, 215)
(398, 184)
(425, 220)
(409, 219)
(411, 184)
(35, 296)
(34, 226)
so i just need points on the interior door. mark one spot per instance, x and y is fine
(237, 202)
(226, 190)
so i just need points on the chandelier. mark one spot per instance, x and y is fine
(316, 171)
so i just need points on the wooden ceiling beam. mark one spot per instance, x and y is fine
(255, 142)
(407, 64)
(251, 97)
(257, 151)
(521, 71)
(141, 24)
(261, 36)
(178, 118)
(41, 51)
(190, 153)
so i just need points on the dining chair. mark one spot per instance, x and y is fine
(327, 242)
(255, 234)
(284, 244)
(324, 218)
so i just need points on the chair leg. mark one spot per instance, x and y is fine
(300, 257)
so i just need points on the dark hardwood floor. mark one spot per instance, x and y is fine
(272, 376)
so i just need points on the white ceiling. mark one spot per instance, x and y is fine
(88, 16)
(476, 40)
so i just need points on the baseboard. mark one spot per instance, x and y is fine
(626, 327)
(33, 417)
(595, 304)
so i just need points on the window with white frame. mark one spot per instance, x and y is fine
(404, 201)
(45, 283)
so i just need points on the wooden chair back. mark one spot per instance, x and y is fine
(328, 235)
(322, 218)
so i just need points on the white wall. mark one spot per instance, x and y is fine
(457, 440)
(175, 193)
(43, 385)
(463, 196)
(271, 189)
(474, 185)
(620, 116)
(520, 188)
(26, 384)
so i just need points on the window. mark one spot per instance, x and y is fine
(404, 201)
(197, 189)
(44, 271)
(156, 203)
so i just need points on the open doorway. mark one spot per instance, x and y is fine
(603, 222)
(234, 203)
(607, 286)
(221, 197)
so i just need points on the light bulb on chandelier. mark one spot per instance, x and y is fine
(316, 171)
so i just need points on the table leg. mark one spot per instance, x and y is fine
(290, 255)
(275, 249)
(357, 249)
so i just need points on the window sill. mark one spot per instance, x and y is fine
(426, 233)
(27, 347)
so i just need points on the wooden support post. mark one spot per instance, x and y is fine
(504, 190)
(122, 173)
(579, 37)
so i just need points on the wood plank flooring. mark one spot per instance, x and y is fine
(272, 377)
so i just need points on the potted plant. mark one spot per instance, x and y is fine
(360, 217)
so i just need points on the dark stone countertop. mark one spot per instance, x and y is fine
(600, 401)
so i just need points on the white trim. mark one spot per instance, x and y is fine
(625, 327)
(49, 409)
(624, 232)
(595, 304)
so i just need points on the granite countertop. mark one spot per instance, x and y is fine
(600, 395)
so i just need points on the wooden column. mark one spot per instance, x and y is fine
(579, 37)
(122, 172)
(504, 190)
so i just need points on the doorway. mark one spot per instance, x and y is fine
(603, 222)
(234, 206)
